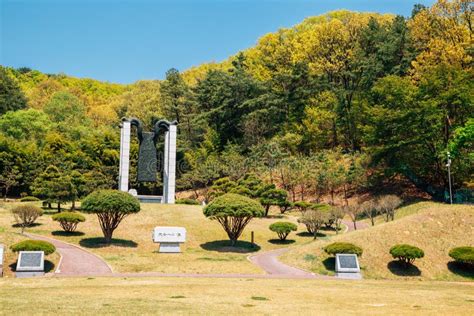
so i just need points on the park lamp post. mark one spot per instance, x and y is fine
(448, 165)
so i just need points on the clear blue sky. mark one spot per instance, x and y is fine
(124, 41)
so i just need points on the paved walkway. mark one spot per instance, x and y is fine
(75, 261)
(350, 225)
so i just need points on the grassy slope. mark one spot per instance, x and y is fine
(435, 228)
(141, 296)
(135, 251)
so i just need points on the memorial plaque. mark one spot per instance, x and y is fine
(169, 238)
(347, 263)
(30, 261)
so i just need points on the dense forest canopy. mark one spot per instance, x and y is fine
(341, 103)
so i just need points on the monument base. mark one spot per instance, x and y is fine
(349, 275)
(170, 247)
(28, 274)
(150, 198)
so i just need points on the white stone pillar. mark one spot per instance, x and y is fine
(169, 165)
(124, 170)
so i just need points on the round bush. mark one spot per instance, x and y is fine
(283, 229)
(68, 220)
(34, 245)
(463, 254)
(26, 215)
(342, 247)
(29, 199)
(233, 212)
(188, 201)
(406, 253)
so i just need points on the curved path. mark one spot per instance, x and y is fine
(76, 261)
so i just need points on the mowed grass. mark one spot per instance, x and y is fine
(206, 250)
(434, 227)
(143, 296)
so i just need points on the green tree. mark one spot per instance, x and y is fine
(111, 207)
(53, 185)
(233, 212)
(11, 96)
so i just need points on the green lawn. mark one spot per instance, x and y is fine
(139, 296)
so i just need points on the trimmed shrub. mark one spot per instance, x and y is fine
(406, 253)
(233, 212)
(111, 207)
(283, 229)
(313, 219)
(188, 201)
(463, 254)
(342, 247)
(68, 220)
(33, 245)
(26, 215)
(29, 199)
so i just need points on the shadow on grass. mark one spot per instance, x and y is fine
(225, 246)
(66, 234)
(99, 242)
(330, 264)
(462, 269)
(281, 242)
(48, 266)
(277, 216)
(306, 234)
(401, 269)
(29, 226)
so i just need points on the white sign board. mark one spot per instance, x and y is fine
(167, 234)
(30, 261)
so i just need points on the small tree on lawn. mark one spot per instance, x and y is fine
(111, 207)
(369, 208)
(314, 219)
(406, 253)
(68, 220)
(283, 229)
(302, 206)
(26, 215)
(336, 214)
(276, 197)
(354, 211)
(233, 212)
(387, 205)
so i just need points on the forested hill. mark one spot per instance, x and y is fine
(340, 103)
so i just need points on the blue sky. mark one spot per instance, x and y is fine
(124, 41)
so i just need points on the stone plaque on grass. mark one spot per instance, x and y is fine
(347, 263)
(30, 261)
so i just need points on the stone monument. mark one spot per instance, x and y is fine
(30, 263)
(147, 157)
(169, 238)
(347, 266)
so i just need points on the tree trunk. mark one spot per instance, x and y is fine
(355, 224)
(73, 206)
(59, 207)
